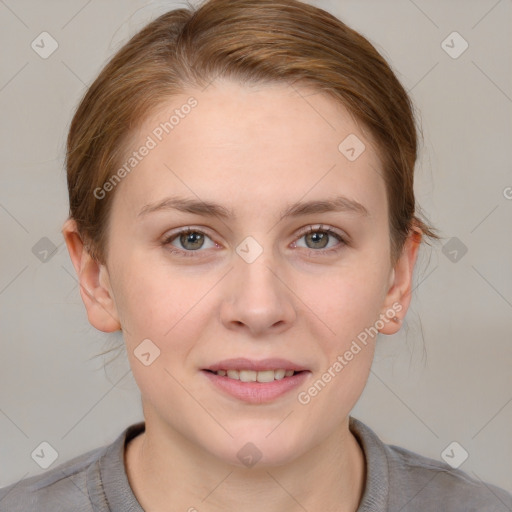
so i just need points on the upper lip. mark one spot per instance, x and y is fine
(251, 364)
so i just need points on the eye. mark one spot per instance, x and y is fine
(190, 240)
(318, 238)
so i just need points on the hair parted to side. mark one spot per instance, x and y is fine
(249, 41)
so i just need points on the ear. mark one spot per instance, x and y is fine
(400, 284)
(93, 277)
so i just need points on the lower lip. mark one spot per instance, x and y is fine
(257, 392)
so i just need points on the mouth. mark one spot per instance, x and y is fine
(256, 382)
(256, 376)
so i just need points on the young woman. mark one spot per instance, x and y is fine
(242, 209)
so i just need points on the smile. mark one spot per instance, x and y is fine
(256, 381)
(256, 376)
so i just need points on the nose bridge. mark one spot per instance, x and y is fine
(258, 297)
(257, 278)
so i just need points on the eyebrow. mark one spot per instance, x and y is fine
(210, 209)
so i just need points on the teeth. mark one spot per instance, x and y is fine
(279, 374)
(265, 376)
(253, 376)
(248, 375)
(233, 374)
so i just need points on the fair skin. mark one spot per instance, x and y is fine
(255, 151)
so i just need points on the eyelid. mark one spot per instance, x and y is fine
(171, 236)
(323, 227)
(343, 238)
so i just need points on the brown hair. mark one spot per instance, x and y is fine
(250, 41)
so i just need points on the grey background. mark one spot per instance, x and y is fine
(445, 377)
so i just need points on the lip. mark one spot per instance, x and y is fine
(256, 392)
(241, 363)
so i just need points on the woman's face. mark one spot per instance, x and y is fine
(261, 279)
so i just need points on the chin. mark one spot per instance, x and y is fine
(255, 451)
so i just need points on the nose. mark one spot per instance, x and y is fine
(257, 299)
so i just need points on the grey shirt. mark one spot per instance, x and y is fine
(397, 480)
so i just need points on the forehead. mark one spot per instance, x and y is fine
(252, 144)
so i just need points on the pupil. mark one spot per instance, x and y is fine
(318, 237)
(192, 238)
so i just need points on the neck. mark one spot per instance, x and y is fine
(166, 468)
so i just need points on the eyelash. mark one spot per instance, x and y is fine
(310, 229)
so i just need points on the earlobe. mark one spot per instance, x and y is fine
(398, 296)
(96, 295)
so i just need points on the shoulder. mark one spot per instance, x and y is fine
(63, 488)
(401, 480)
(417, 482)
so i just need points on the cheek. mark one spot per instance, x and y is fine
(168, 308)
(348, 302)
(345, 300)
(151, 297)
